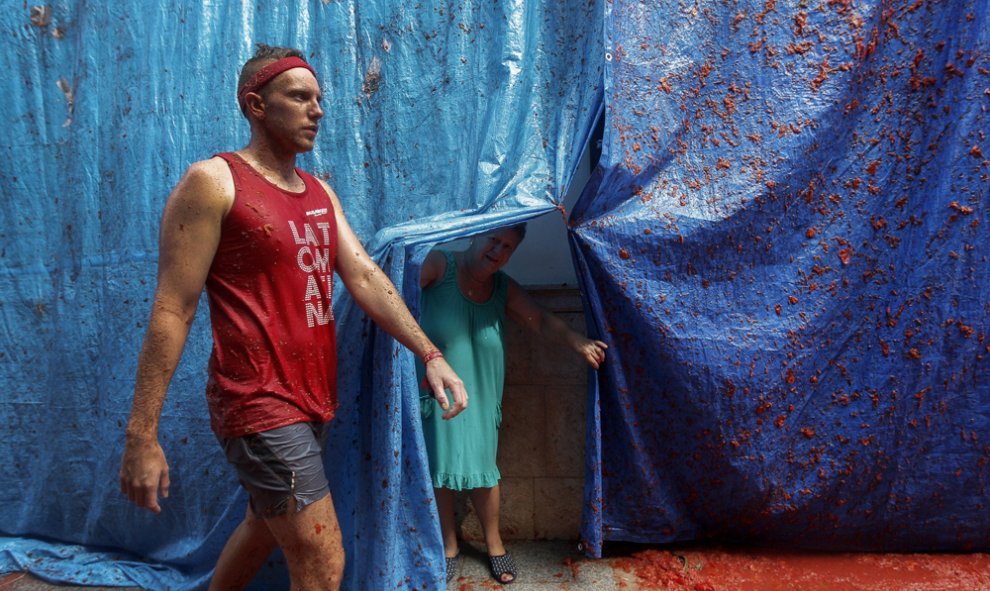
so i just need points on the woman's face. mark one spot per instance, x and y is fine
(491, 251)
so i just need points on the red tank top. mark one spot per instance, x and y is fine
(270, 288)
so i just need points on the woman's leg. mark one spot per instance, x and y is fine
(487, 505)
(446, 499)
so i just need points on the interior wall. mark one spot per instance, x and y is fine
(544, 258)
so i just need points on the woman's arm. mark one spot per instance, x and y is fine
(433, 269)
(524, 310)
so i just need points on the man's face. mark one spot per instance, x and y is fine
(292, 109)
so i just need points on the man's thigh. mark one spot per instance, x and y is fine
(311, 541)
(313, 529)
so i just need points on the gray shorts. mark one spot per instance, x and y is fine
(276, 465)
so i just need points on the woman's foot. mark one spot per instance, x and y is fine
(503, 568)
(452, 566)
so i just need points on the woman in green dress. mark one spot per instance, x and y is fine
(466, 299)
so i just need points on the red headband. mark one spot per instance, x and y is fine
(265, 75)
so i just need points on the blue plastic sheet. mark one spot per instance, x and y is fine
(786, 249)
(441, 120)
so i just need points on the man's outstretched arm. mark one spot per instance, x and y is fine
(378, 297)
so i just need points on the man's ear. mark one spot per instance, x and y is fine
(254, 105)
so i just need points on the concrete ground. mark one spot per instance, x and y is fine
(558, 566)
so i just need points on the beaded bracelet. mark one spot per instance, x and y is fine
(434, 354)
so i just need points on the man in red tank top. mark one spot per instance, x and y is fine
(264, 238)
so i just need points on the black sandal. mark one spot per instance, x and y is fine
(451, 567)
(501, 566)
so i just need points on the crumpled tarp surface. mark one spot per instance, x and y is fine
(442, 119)
(786, 247)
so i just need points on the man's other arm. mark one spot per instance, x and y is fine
(188, 239)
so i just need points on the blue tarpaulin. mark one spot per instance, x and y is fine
(786, 249)
(784, 245)
(442, 119)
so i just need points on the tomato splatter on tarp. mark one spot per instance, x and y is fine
(791, 200)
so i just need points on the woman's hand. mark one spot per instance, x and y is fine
(592, 351)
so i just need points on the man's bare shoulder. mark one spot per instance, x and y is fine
(334, 199)
(212, 165)
(207, 181)
(212, 170)
(326, 187)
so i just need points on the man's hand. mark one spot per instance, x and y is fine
(144, 473)
(441, 377)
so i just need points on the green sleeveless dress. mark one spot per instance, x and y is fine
(471, 336)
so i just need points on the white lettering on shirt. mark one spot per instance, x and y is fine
(313, 258)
